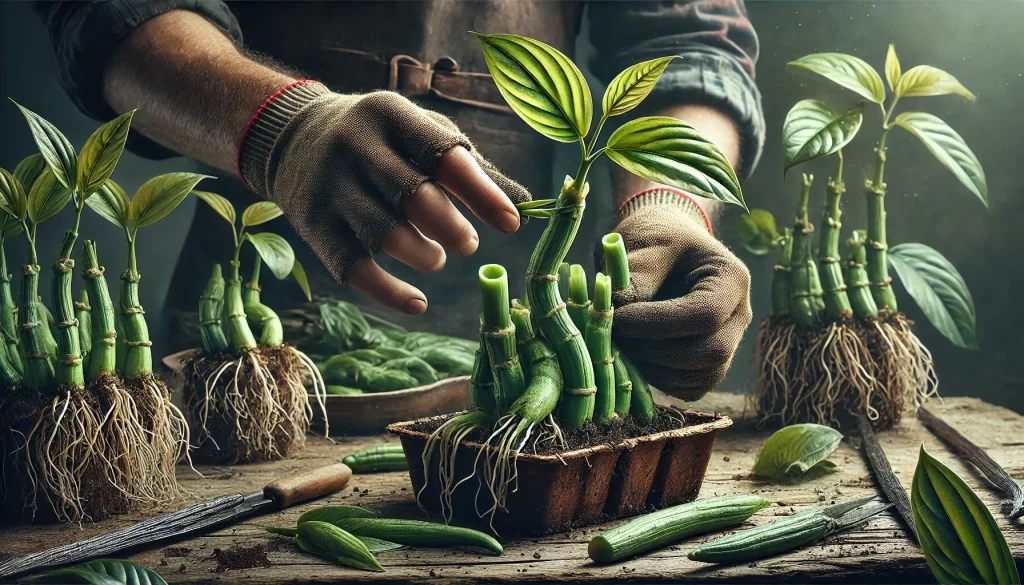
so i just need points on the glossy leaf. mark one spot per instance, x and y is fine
(793, 450)
(29, 169)
(101, 152)
(939, 289)
(9, 225)
(104, 572)
(949, 148)
(814, 129)
(260, 212)
(757, 231)
(846, 70)
(13, 199)
(299, 274)
(925, 80)
(540, 84)
(111, 203)
(892, 67)
(74, 576)
(669, 151)
(46, 197)
(630, 87)
(56, 150)
(159, 196)
(961, 541)
(220, 204)
(277, 254)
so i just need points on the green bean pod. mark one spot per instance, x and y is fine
(598, 337)
(388, 457)
(419, 533)
(457, 361)
(623, 385)
(327, 540)
(370, 356)
(859, 286)
(781, 278)
(578, 303)
(414, 366)
(673, 524)
(211, 304)
(500, 337)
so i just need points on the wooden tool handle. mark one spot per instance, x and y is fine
(308, 485)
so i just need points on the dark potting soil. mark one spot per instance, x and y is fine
(241, 557)
(177, 551)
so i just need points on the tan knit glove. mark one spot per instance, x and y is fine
(342, 166)
(688, 302)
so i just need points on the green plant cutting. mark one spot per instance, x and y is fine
(836, 342)
(547, 363)
(245, 391)
(86, 437)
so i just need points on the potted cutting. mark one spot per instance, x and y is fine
(563, 430)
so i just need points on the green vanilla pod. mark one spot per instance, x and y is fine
(329, 541)
(419, 533)
(388, 457)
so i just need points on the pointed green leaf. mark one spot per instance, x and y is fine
(757, 231)
(961, 541)
(101, 152)
(29, 169)
(540, 84)
(792, 450)
(846, 70)
(75, 576)
(111, 203)
(672, 152)
(947, 146)
(9, 225)
(46, 197)
(13, 199)
(56, 150)
(299, 274)
(924, 80)
(630, 87)
(937, 287)
(159, 196)
(814, 129)
(103, 572)
(892, 67)
(376, 545)
(260, 212)
(526, 205)
(275, 251)
(220, 204)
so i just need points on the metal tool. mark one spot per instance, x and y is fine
(203, 516)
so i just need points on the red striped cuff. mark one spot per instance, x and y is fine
(660, 196)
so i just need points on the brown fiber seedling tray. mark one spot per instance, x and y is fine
(576, 488)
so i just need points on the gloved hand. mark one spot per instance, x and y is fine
(356, 174)
(688, 302)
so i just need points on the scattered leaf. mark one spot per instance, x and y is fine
(846, 70)
(792, 450)
(630, 87)
(949, 148)
(939, 289)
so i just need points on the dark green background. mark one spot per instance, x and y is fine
(978, 42)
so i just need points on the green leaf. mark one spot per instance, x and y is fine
(813, 129)
(260, 212)
(924, 80)
(220, 204)
(101, 152)
(29, 169)
(105, 572)
(792, 450)
(961, 541)
(892, 67)
(299, 274)
(669, 151)
(9, 226)
(332, 514)
(846, 70)
(46, 197)
(527, 205)
(327, 540)
(940, 291)
(630, 87)
(275, 251)
(376, 545)
(540, 84)
(947, 146)
(56, 150)
(12, 195)
(159, 196)
(74, 576)
(111, 203)
(757, 231)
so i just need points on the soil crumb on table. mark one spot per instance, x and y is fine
(177, 551)
(241, 557)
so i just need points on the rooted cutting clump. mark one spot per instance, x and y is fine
(246, 390)
(836, 344)
(546, 366)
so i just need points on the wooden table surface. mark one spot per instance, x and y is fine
(877, 551)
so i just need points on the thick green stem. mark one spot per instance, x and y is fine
(623, 385)
(877, 248)
(83, 312)
(103, 357)
(578, 304)
(48, 338)
(642, 401)
(500, 337)
(837, 302)
(615, 262)
(69, 370)
(860, 291)
(598, 336)
(481, 382)
(805, 287)
(138, 347)
(781, 278)
(9, 316)
(564, 278)
(251, 294)
(210, 306)
(549, 310)
(240, 336)
(268, 323)
(38, 367)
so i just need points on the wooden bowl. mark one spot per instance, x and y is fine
(369, 413)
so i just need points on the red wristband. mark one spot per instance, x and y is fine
(684, 195)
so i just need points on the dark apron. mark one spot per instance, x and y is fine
(422, 50)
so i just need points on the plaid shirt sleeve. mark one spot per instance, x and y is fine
(718, 48)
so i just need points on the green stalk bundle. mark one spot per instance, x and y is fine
(805, 286)
(500, 337)
(598, 336)
(782, 276)
(8, 325)
(83, 312)
(861, 301)
(837, 303)
(877, 248)
(211, 305)
(578, 304)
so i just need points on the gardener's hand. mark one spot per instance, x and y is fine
(688, 301)
(357, 174)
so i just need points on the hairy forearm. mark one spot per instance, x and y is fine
(712, 123)
(194, 90)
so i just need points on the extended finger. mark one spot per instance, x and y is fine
(430, 210)
(409, 246)
(459, 173)
(370, 279)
